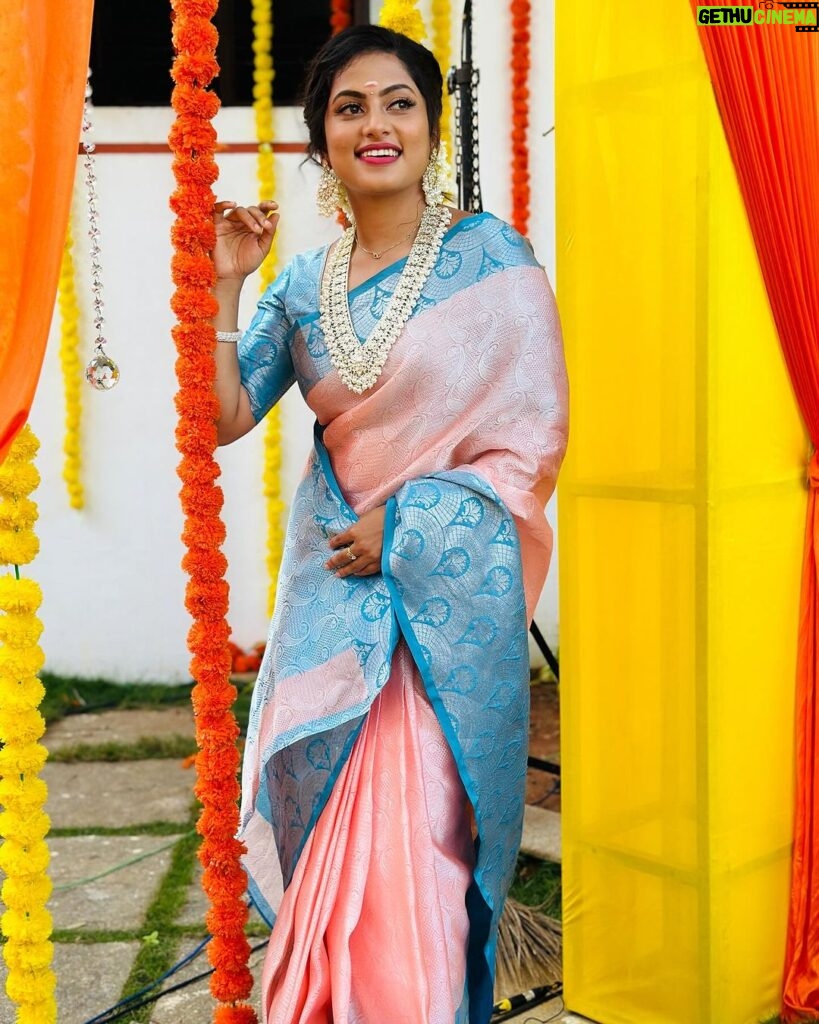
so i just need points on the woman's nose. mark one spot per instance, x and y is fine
(376, 123)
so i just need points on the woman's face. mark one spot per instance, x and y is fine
(378, 139)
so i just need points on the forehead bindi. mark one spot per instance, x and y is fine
(372, 72)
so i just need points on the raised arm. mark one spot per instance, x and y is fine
(243, 239)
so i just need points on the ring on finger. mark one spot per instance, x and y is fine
(351, 555)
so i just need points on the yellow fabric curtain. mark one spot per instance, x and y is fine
(681, 506)
(44, 50)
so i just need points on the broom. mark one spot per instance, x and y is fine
(530, 945)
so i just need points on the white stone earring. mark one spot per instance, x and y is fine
(432, 180)
(331, 194)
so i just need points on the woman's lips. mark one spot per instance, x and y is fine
(379, 156)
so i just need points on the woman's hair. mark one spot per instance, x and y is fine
(342, 49)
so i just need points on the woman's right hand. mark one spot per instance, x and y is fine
(244, 235)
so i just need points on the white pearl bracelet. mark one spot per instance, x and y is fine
(229, 337)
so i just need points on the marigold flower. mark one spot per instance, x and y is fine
(203, 500)
(19, 596)
(15, 857)
(239, 1013)
(43, 1011)
(192, 270)
(19, 664)
(18, 548)
(26, 892)
(403, 16)
(27, 691)
(208, 532)
(33, 927)
(22, 791)
(20, 630)
(28, 956)
(203, 171)
(25, 448)
(17, 514)
(226, 985)
(21, 725)
(22, 760)
(197, 103)
(25, 828)
(30, 986)
(18, 480)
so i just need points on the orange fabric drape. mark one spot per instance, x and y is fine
(44, 50)
(766, 82)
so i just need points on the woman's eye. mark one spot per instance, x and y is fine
(350, 108)
(403, 103)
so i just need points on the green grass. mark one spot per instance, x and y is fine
(537, 883)
(66, 695)
(148, 828)
(143, 749)
(154, 958)
(71, 695)
(91, 936)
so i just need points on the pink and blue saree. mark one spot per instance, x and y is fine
(385, 763)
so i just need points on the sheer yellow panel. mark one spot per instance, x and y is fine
(681, 522)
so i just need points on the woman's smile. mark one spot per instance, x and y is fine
(378, 154)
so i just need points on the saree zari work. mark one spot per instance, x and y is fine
(390, 717)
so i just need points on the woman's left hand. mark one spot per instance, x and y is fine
(365, 539)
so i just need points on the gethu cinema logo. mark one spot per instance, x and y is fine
(804, 16)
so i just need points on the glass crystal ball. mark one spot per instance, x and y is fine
(102, 373)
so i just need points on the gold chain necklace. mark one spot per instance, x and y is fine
(358, 363)
(378, 255)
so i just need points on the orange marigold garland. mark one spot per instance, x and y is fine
(520, 63)
(193, 141)
(340, 15)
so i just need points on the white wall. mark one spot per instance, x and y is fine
(113, 587)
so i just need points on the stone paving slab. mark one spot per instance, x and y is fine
(116, 902)
(120, 726)
(541, 834)
(196, 904)
(194, 1005)
(552, 1012)
(89, 979)
(113, 795)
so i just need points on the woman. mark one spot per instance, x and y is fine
(385, 764)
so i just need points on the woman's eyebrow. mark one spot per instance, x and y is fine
(360, 95)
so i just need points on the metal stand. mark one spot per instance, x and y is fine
(463, 83)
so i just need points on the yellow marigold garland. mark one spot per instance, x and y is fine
(263, 74)
(403, 16)
(192, 140)
(24, 856)
(442, 48)
(72, 372)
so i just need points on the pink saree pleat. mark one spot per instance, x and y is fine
(373, 926)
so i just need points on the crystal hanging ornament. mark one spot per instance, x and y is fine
(102, 372)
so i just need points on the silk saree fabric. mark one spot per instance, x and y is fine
(461, 439)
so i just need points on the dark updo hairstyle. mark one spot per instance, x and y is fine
(342, 49)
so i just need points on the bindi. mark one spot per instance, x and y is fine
(372, 86)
